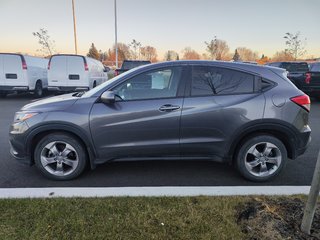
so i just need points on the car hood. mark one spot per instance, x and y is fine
(51, 104)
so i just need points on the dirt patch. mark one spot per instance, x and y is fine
(276, 218)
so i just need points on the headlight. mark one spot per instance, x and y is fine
(22, 116)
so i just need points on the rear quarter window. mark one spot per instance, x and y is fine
(208, 80)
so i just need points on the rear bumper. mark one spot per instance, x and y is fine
(67, 89)
(305, 139)
(13, 88)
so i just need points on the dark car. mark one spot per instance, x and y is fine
(297, 72)
(247, 115)
(313, 80)
(130, 64)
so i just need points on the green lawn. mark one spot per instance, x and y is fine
(155, 218)
(120, 218)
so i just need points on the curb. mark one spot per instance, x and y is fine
(88, 192)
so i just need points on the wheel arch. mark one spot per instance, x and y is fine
(280, 130)
(38, 133)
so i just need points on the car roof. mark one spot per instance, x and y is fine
(235, 65)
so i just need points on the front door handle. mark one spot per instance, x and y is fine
(168, 108)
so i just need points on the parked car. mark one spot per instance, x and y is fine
(313, 80)
(22, 73)
(243, 114)
(69, 73)
(296, 72)
(130, 64)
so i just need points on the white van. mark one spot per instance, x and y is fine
(68, 72)
(22, 73)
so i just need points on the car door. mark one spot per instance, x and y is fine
(145, 119)
(220, 101)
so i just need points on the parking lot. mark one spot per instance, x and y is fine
(151, 173)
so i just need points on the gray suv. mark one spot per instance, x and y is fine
(250, 116)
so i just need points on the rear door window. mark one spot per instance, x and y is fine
(207, 80)
(296, 67)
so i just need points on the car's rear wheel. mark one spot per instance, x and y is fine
(261, 158)
(60, 156)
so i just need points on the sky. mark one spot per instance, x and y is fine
(165, 24)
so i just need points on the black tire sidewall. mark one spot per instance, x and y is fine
(37, 89)
(65, 138)
(240, 159)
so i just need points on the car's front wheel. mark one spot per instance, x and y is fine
(261, 158)
(60, 156)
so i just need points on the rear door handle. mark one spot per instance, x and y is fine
(168, 108)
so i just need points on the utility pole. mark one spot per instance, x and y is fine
(74, 29)
(115, 29)
(312, 199)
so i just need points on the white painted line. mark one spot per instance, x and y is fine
(151, 191)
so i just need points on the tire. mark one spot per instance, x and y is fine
(60, 156)
(261, 158)
(3, 94)
(38, 90)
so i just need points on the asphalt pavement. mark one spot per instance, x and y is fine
(148, 173)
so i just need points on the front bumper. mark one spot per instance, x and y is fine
(17, 150)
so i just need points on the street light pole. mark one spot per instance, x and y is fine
(115, 29)
(74, 29)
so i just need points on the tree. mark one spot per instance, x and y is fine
(190, 54)
(218, 49)
(247, 54)
(93, 52)
(136, 49)
(149, 53)
(236, 56)
(171, 55)
(295, 46)
(123, 53)
(263, 60)
(44, 39)
(282, 56)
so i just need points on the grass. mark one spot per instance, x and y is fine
(155, 218)
(121, 218)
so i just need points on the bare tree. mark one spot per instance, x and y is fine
(47, 45)
(247, 54)
(149, 53)
(295, 46)
(218, 49)
(123, 53)
(190, 54)
(282, 56)
(136, 49)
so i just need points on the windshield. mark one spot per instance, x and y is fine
(93, 91)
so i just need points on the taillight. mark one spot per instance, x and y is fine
(302, 101)
(308, 78)
(24, 64)
(86, 68)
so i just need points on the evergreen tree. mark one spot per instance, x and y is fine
(93, 52)
(236, 56)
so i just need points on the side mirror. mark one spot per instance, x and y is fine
(106, 69)
(108, 97)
